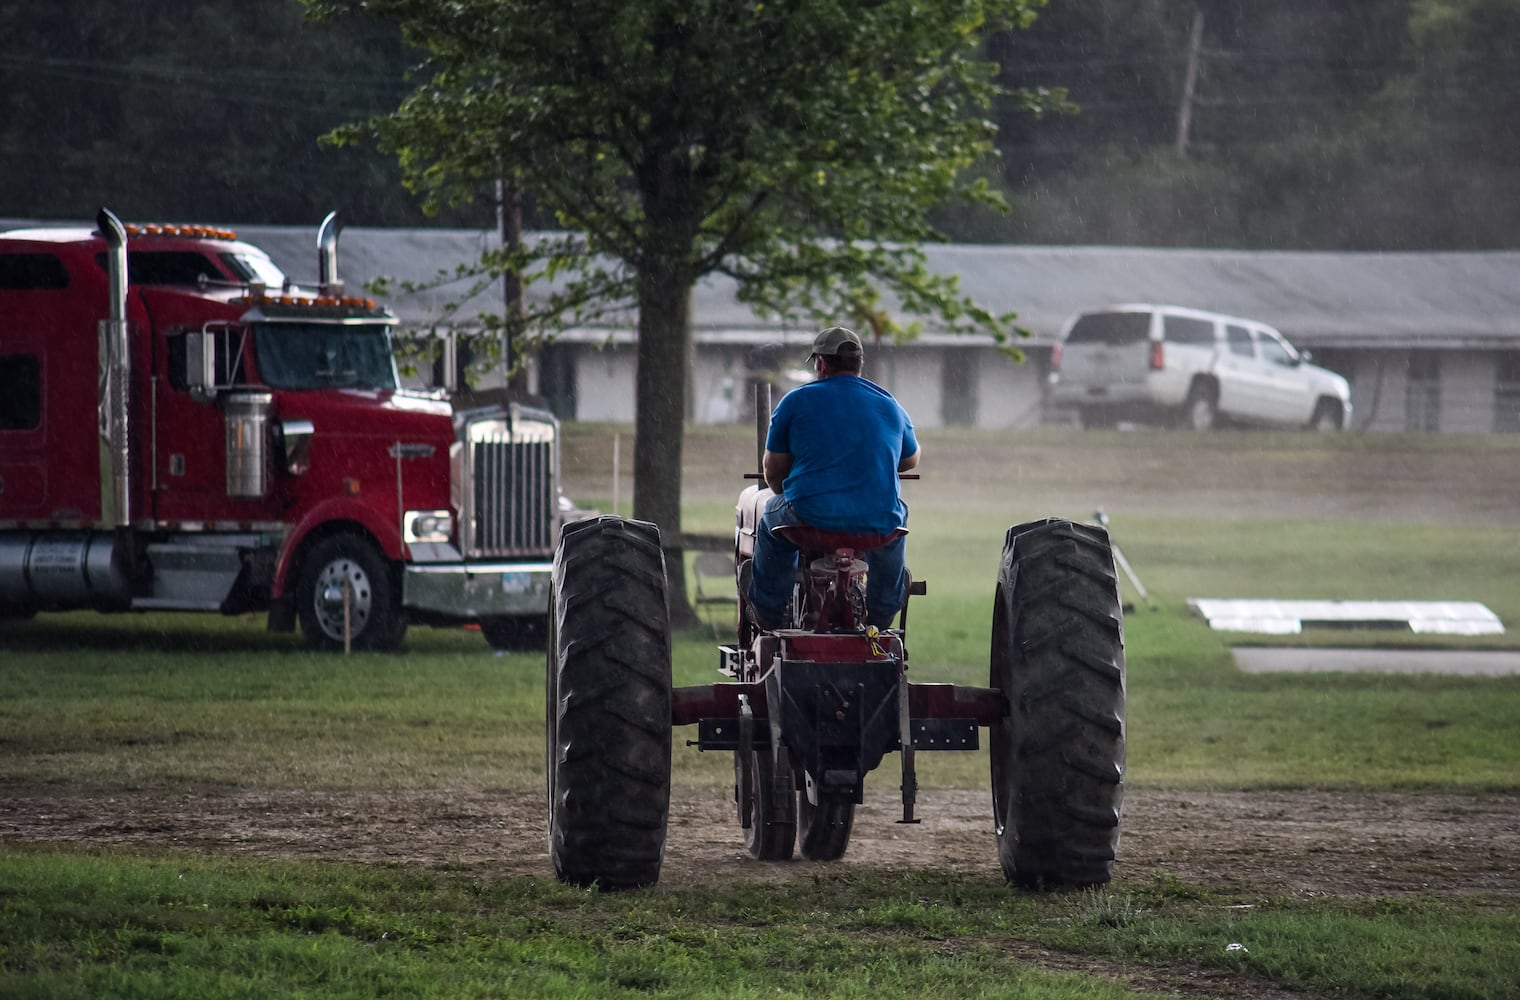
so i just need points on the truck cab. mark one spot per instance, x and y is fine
(191, 430)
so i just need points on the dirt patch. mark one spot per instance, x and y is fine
(1248, 845)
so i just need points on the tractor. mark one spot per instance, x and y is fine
(809, 709)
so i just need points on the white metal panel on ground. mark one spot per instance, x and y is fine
(1287, 617)
(1462, 662)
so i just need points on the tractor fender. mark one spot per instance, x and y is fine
(747, 517)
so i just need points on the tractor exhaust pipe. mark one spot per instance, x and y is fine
(328, 282)
(115, 374)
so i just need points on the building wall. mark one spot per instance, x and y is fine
(604, 384)
(721, 387)
(1467, 392)
(912, 374)
(1377, 387)
(1388, 396)
(975, 385)
(1506, 391)
(1009, 392)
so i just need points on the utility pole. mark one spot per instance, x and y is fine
(1189, 83)
(509, 212)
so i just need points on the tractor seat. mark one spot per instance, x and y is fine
(811, 539)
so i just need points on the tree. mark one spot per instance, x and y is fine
(196, 110)
(795, 146)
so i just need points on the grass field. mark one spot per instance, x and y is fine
(174, 709)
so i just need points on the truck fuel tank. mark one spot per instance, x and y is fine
(63, 572)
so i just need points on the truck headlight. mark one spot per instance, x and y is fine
(428, 526)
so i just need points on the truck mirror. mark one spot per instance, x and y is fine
(293, 445)
(200, 364)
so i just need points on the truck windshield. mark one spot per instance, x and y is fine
(324, 356)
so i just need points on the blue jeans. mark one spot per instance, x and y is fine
(775, 570)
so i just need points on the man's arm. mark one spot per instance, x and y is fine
(909, 462)
(775, 465)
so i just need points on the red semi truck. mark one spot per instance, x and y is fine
(181, 428)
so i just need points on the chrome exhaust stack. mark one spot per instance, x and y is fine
(115, 373)
(328, 282)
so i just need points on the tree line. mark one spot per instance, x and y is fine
(1380, 125)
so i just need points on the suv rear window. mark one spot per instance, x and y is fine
(1112, 329)
(1187, 330)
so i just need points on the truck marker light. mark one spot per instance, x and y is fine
(350, 487)
(161, 229)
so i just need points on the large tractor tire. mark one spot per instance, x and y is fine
(373, 619)
(609, 703)
(1058, 657)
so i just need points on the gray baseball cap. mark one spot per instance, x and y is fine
(835, 340)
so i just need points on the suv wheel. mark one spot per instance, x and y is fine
(1201, 411)
(1328, 416)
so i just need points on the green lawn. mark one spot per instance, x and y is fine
(93, 705)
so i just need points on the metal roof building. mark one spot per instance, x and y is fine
(1430, 341)
(1319, 299)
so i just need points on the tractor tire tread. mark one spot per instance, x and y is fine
(1058, 656)
(609, 657)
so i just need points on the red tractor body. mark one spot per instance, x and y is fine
(812, 708)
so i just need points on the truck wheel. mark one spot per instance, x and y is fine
(1200, 412)
(375, 620)
(1328, 416)
(824, 829)
(772, 831)
(609, 704)
(516, 633)
(1058, 657)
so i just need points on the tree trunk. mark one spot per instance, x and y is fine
(659, 427)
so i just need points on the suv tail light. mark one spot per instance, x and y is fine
(1055, 358)
(1158, 355)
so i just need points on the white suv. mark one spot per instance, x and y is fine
(1190, 367)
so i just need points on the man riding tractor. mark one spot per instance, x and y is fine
(833, 454)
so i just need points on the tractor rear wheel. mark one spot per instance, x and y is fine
(772, 831)
(1058, 657)
(609, 702)
(824, 829)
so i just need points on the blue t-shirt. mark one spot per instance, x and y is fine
(846, 436)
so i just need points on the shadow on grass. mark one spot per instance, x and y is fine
(196, 633)
(143, 633)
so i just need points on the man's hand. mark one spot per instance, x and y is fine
(775, 465)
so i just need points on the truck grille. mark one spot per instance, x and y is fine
(513, 492)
